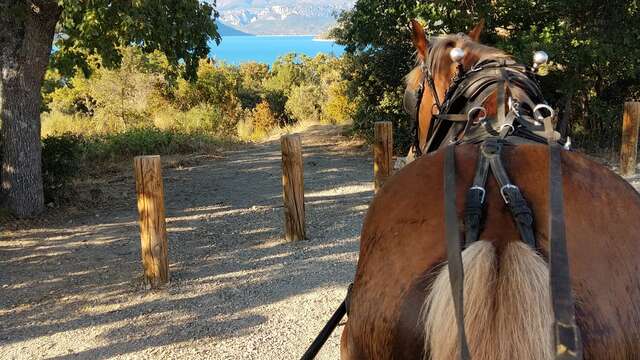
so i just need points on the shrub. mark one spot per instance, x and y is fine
(56, 123)
(147, 141)
(60, 164)
(245, 128)
(263, 119)
(305, 103)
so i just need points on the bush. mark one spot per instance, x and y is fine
(60, 164)
(305, 103)
(263, 119)
(147, 141)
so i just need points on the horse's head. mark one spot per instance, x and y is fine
(435, 62)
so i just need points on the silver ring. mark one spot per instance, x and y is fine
(508, 186)
(482, 190)
(536, 110)
(477, 108)
(509, 125)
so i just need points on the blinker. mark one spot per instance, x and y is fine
(456, 54)
(539, 58)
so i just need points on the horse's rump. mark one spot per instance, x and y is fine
(403, 246)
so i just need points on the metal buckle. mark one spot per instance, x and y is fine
(481, 118)
(566, 339)
(508, 186)
(482, 190)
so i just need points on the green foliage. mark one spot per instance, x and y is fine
(592, 46)
(60, 164)
(178, 28)
(145, 106)
(146, 141)
(304, 103)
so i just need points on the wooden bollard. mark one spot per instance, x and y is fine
(293, 188)
(629, 146)
(382, 153)
(153, 228)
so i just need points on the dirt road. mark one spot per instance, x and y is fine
(71, 288)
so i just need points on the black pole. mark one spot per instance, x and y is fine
(313, 349)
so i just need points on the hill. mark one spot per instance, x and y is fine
(282, 17)
(226, 30)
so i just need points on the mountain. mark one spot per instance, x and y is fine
(226, 30)
(282, 17)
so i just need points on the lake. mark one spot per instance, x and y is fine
(265, 49)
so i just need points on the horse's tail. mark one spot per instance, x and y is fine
(507, 306)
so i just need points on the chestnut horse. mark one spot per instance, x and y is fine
(401, 305)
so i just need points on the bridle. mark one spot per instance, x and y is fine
(462, 110)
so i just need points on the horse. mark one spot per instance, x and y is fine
(401, 305)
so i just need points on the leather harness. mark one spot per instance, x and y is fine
(462, 119)
(518, 125)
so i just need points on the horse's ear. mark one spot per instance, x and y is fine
(474, 34)
(419, 39)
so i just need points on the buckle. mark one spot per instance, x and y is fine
(502, 191)
(483, 192)
(566, 339)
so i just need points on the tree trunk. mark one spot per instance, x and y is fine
(26, 35)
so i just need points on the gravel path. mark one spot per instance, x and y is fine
(71, 288)
(70, 285)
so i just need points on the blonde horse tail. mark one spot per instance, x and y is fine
(507, 307)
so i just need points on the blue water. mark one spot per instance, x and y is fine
(265, 49)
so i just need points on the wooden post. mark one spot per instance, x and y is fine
(629, 146)
(382, 153)
(153, 229)
(293, 188)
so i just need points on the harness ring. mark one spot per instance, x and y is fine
(536, 110)
(509, 125)
(481, 118)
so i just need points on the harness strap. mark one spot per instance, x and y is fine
(500, 99)
(511, 194)
(568, 344)
(454, 256)
(454, 117)
(475, 201)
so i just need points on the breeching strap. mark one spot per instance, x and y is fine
(566, 334)
(454, 255)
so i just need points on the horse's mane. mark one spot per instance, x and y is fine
(438, 50)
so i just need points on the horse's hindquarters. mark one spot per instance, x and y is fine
(402, 246)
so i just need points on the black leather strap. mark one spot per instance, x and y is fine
(328, 328)
(512, 196)
(568, 344)
(454, 256)
(475, 201)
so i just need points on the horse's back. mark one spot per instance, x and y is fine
(403, 242)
